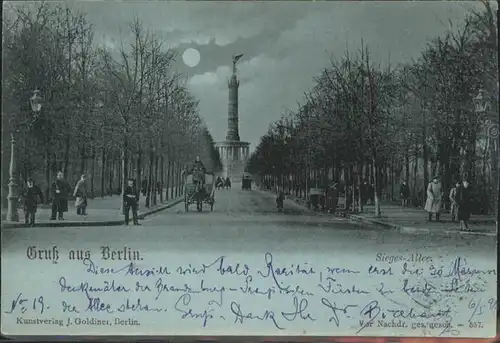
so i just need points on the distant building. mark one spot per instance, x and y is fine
(234, 153)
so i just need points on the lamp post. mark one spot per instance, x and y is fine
(36, 101)
(13, 195)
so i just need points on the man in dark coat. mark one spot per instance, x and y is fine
(371, 193)
(60, 190)
(404, 193)
(198, 164)
(131, 201)
(30, 195)
(144, 187)
(198, 169)
(279, 201)
(464, 201)
(159, 187)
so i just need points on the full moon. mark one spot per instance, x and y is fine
(191, 57)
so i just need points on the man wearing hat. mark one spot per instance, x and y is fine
(30, 195)
(464, 202)
(60, 191)
(131, 201)
(198, 169)
(279, 201)
(434, 196)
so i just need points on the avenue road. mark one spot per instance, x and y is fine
(249, 220)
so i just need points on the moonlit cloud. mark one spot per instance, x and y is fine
(210, 79)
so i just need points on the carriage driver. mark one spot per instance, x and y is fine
(198, 171)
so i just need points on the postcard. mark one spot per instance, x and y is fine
(312, 168)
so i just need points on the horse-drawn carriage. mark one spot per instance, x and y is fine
(199, 188)
(316, 198)
(246, 182)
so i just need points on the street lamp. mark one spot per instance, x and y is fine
(13, 196)
(36, 101)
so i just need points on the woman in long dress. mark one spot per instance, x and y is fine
(80, 193)
(434, 196)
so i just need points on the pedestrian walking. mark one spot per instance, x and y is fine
(332, 198)
(81, 195)
(198, 165)
(453, 201)
(219, 184)
(434, 196)
(144, 187)
(364, 192)
(356, 198)
(131, 202)
(404, 192)
(464, 202)
(60, 191)
(30, 195)
(279, 201)
(369, 193)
